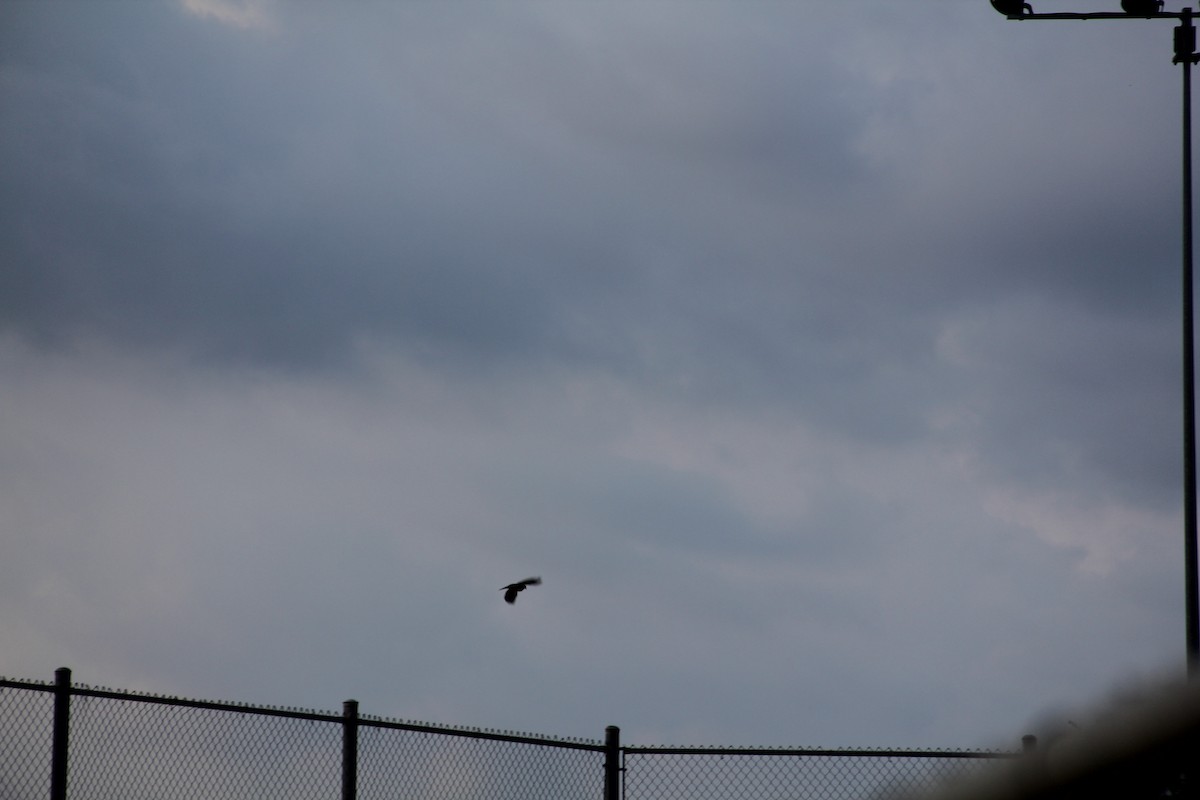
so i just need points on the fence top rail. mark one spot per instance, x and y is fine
(82, 690)
(36, 686)
(500, 735)
(481, 733)
(814, 752)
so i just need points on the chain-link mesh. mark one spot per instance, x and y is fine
(26, 740)
(460, 765)
(132, 748)
(784, 775)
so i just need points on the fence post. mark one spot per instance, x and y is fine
(612, 763)
(1028, 743)
(350, 750)
(61, 736)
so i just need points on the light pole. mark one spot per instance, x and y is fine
(1185, 55)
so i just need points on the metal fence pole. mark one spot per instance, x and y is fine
(350, 750)
(612, 763)
(1185, 54)
(62, 732)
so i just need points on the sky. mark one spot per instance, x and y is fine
(824, 360)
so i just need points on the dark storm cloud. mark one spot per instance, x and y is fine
(179, 190)
(500, 186)
(489, 187)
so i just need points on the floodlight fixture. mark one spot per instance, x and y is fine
(1012, 8)
(1141, 8)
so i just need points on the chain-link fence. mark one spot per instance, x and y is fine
(123, 748)
(666, 773)
(394, 760)
(26, 739)
(66, 740)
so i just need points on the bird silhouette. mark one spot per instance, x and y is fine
(513, 589)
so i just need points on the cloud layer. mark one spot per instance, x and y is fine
(824, 362)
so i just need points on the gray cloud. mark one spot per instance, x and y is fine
(824, 361)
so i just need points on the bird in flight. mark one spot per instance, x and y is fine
(513, 589)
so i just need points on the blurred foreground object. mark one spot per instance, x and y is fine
(1144, 749)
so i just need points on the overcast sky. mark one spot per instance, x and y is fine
(824, 359)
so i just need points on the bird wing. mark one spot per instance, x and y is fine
(532, 581)
(511, 595)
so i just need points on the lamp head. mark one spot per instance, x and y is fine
(1141, 8)
(1012, 8)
